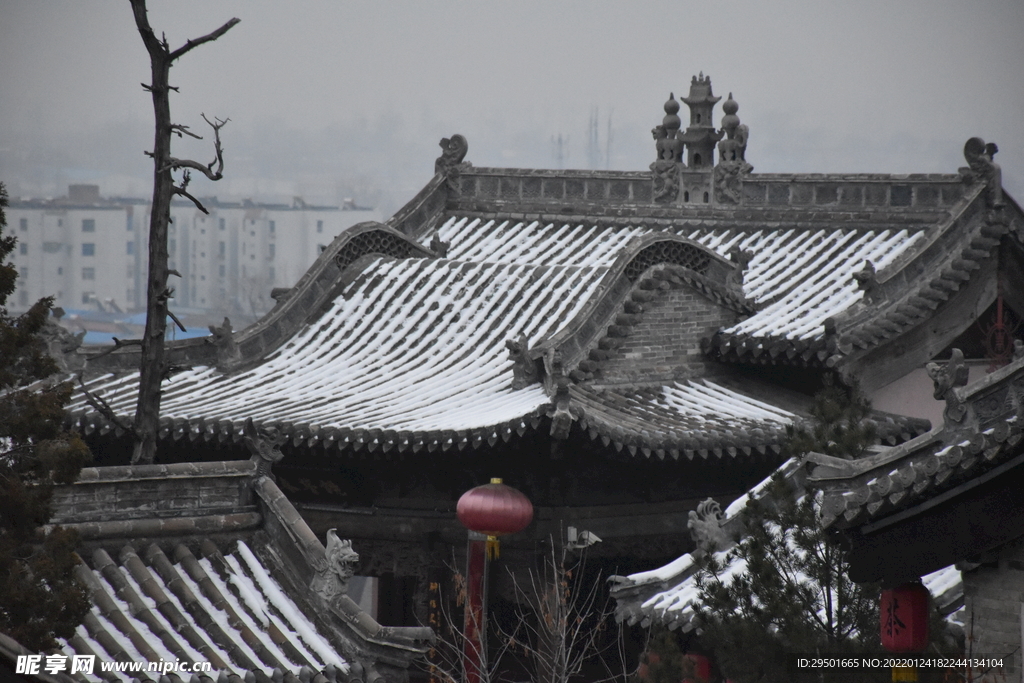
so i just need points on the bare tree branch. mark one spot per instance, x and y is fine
(218, 162)
(118, 343)
(180, 129)
(176, 321)
(189, 44)
(103, 408)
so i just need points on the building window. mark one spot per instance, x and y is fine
(88, 225)
(271, 273)
(130, 248)
(88, 249)
(172, 246)
(222, 250)
(60, 270)
(221, 224)
(24, 224)
(88, 273)
(319, 226)
(270, 257)
(273, 227)
(87, 297)
(60, 222)
(220, 271)
(23, 249)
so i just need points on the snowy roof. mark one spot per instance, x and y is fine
(667, 595)
(987, 435)
(396, 337)
(209, 562)
(227, 610)
(693, 418)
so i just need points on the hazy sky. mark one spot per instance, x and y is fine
(329, 96)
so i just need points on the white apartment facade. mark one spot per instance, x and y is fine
(90, 252)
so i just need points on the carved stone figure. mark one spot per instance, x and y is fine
(733, 149)
(979, 156)
(333, 575)
(666, 181)
(867, 281)
(524, 370)
(264, 445)
(62, 344)
(438, 247)
(453, 151)
(741, 257)
(228, 354)
(728, 184)
(705, 525)
(560, 414)
(946, 379)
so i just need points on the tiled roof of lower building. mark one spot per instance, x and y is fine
(667, 595)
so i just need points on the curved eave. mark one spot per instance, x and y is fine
(988, 438)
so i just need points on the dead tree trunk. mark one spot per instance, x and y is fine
(152, 367)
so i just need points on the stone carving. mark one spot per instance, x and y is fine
(228, 354)
(728, 184)
(453, 151)
(336, 569)
(867, 280)
(705, 525)
(1018, 350)
(264, 445)
(61, 344)
(733, 149)
(732, 162)
(741, 257)
(979, 156)
(946, 379)
(438, 247)
(666, 136)
(666, 181)
(666, 175)
(669, 147)
(524, 370)
(560, 414)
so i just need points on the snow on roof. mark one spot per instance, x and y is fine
(801, 276)
(675, 590)
(233, 614)
(412, 344)
(418, 344)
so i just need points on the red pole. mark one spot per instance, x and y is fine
(474, 655)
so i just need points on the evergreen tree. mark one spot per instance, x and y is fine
(39, 597)
(791, 592)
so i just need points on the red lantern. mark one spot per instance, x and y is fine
(494, 510)
(903, 614)
(701, 666)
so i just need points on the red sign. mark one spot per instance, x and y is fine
(903, 614)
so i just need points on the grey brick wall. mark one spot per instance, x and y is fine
(665, 344)
(993, 592)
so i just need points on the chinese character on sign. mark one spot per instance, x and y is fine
(892, 618)
(28, 664)
(83, 664)
(56, 663)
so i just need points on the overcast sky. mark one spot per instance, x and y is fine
(331, 97)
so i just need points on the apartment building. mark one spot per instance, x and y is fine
(88, 251)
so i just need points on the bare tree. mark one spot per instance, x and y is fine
(561, 616)
(152, 368)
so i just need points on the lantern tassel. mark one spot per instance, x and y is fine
(493, 548)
